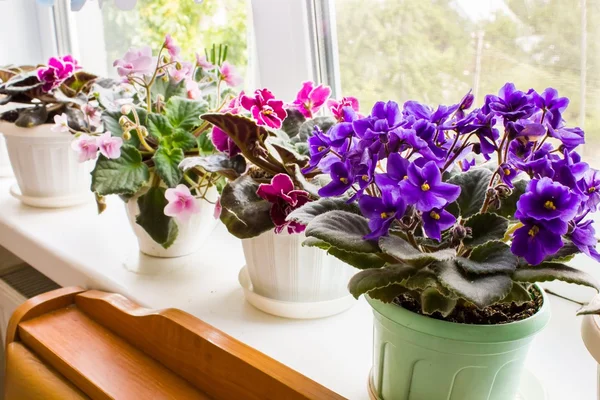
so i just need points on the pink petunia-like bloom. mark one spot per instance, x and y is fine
(61, 123)
(137, 61)
(229, 74)
(86, 147)
(110, 146)
(219, 138)
(203, 63)
(56, 72)
(185, 72)
(310, 99)
(337, 107)
(181, 203)
(171, 47)
(284, 199)
(264, 108)
(193, 89)
(93, 114)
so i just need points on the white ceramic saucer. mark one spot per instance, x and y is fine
(295, 310)
(50, 202)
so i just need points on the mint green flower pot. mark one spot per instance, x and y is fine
(421, 358)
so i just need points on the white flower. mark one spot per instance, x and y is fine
(61, 123)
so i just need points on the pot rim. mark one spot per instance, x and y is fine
(464, 332)
(9, 129)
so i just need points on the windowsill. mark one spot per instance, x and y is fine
(77, 247)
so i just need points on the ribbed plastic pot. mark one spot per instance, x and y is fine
(420, 358)
(192, 232)
(5, 168)
(280, 268)
(44, 163)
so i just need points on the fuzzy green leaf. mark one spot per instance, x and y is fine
(508, 206)
(481, 290)
(433, 301)
(159, 126)
(231, 168)
(293, 121)
(161, 228)
(307, 128)
(473, 186)
(184, 113)
(387, 294)
(168, 88)
(490, 258)
(485, 227)
(550, 271)
(344, 230)
(167, 165)
(30, 117)
(400, 249)
(309, 211)
(518, 294)
(370, 279)
(357, 260)
(124, 175)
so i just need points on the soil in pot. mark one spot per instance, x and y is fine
(469, 314)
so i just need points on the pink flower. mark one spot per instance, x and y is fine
(337, 107)
(284, 199)
(92, 113)
(86, 147)
(220, 139)
(57, 71)
(264, 108)
(181, 203)
(310, 99)
(137, 61)
(185, 72)
(110, 146)
(229, 74)
(170, 45)
(193, 90)
(61, 123)
(203, 63)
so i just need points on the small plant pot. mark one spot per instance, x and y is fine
(46, 167)
(5, 169)
(284, 274)
(192, 233)
(420, 358)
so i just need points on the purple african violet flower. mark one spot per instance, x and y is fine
(137, 61)
(182, 204)
(584, 237)
(384, 118)
(465, 103)
(530, 131)
(86, 147)
(310, 99)
(341, 180)
(553, 105)
(519, 150)
(483, 127)
(569, 169)
(545, 199)
(171, 47)
(538, 164)
(466, 165)
(396, 172)
(336, 107)
(569, 137)
(421, 111)
(265, 109)
(511, 104)
(284, 199)
(435, 221)
(343, 130)
(589, 186)
(507, 173)
(109, 146)
(382, 212)
(318, 146)
(424, 187)
(56, 72)
(537, 239)
(364, 173)
(230, 75)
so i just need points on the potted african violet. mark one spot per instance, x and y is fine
(46, 168)
(152, 124)
(450, 246)
(264, 156)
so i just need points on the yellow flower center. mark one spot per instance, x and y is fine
(506, 171)
(384, 215)
(405, 177)
(344, 180)
(533, 231)
(425, 187)
(321, 148)
(549, 205)
(592, 189)
(434, 215)
(365, 178)
(267, 112)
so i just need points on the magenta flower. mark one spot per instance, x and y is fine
(57, 71)
(284, 199)
(61, 123)
(229, 74)
(86, 147)
(110, 146)
(264, 108)
(181, 203)
(171, 47)
(310, 99)
(203, 63)
(219, 138)
(337, 107)
(137, 61)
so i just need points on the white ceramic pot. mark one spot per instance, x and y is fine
(5, 169)
(192, 233)
(280, 268)
(46, 167)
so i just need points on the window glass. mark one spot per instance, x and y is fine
(434, 51)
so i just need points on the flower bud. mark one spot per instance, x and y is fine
(178, 66)
(126, 109)
(165, 59)
(503, 191)
(491, 192)
(459, 232)
(477, 148)
(144, 131)
(126, 135)
(125, 122)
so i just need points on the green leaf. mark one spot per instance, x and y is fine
(489, 258)
(286, 152)
(205, 145)
(293, 121)
(473, 187)
(244, 213)
(518, 295)
(387, 294)
(110, 120)
(485, 227)
(307, 128)
(161, 228)
(309, 211)
(550, 271)
(30, 117)
(185, 113)
(167, 165)
(357, 260)
(344, 230)
(481, 290)
(433, 301)
(182, 140)
(508, 206)
(402, 250)
(370, 279)
(124, 175)
(159, 126)
(232, 168)
(167, 89)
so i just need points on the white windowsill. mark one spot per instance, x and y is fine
(77, 247)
